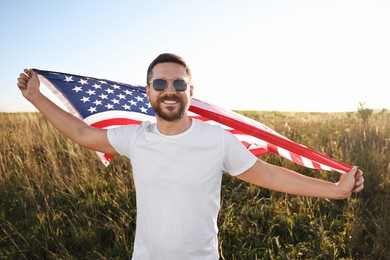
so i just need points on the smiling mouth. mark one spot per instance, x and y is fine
(170, 102)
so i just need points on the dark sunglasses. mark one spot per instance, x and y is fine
(162, 84)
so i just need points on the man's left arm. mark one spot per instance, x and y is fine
(281, 179)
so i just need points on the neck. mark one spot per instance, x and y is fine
(173, 127)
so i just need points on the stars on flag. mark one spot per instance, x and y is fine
(77, 89)
(68, 78)
(95, 96)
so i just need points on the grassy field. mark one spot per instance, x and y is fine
(59, 202)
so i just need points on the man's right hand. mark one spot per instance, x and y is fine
(28, 83)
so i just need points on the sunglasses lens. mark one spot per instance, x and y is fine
(159, 84)
(180, 85)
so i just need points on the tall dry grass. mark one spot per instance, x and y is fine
(59, 202)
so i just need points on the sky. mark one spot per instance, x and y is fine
(282, 55)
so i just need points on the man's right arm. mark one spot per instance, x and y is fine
(93, 138)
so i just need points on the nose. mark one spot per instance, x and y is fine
(170, 87)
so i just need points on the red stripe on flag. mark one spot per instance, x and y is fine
(316, 165)
(115, 121)
(296, 158)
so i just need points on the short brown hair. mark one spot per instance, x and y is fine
(167, 57)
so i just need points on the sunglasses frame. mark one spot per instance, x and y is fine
(173, 84)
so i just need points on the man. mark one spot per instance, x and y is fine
(178, 164)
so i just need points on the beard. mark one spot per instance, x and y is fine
(170, 114)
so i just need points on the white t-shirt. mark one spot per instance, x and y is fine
(178, 186)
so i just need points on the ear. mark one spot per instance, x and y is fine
(191, 90)
(147, 89)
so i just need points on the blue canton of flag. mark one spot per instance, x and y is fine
(88, 97)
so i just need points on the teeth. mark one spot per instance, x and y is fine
(170, 101)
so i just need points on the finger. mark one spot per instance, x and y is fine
(359, 174)
(22, 80)
(359, 184)
(358, 188)
(22, 85)
(23, 76)
(27, 71)
(352, 171)
(360, 181)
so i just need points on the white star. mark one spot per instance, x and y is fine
(77, 89)
(97, 102)
(96, 86)
(115, 86)
(83, 81)
(102, 96)
(68, 78)
(127, 107)
(133, 103)
(85, 99)
(92, 109)
(120, 96)
(109, 106)
(143, 110)
(102, 81)
(115, 101)
(128, 92)
(139, 98)
(109, 91)
(91, 92)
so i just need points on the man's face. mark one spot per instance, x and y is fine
(169, 104)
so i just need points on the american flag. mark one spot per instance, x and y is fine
(104, 104)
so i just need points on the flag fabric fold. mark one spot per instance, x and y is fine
(104, 104)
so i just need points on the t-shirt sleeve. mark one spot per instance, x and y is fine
(238, 158)
(120, 138)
